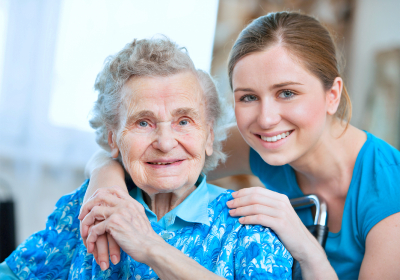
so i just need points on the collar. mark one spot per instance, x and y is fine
(194, 209)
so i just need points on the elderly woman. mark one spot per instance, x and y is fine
(161, 118)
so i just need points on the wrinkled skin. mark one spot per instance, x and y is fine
(162, 120)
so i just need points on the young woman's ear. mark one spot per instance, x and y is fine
(113, 144)
(210, 142)
(333, 96)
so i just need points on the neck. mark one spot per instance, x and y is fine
(328, 166)
(162, 203)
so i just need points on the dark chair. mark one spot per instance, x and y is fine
(319, 229)
(7, 221)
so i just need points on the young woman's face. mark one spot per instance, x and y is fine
(281, 108)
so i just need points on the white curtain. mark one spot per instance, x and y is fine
(39, 161)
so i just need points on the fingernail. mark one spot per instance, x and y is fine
(114, 259)
(229, 203)
(240, 220)
(103, 266)
(231, 212)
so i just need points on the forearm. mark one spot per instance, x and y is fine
(170, 263)
(103, 172)
(316, 265)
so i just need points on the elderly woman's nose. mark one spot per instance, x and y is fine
(165, 138)
(269, 116)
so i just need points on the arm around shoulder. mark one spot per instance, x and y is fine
(103, 172)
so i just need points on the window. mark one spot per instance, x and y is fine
(91, 30)
(3, 31)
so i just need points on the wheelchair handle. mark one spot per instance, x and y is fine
(321, 209)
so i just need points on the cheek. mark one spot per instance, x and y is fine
(245, 116)
(132, 146)
(309, 115)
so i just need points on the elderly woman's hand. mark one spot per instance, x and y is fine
(123, 218)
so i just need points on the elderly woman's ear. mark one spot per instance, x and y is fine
(210, 142)
(112, 142)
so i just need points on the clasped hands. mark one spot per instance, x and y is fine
(111, 219)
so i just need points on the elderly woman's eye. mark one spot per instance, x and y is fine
(248, 98)
(143, 124)
(287, 94)
(183, 122)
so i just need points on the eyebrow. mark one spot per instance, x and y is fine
(185, 111)
(284, 84)
(280, 85)
(140, 115)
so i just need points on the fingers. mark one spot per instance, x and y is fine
(97, 213)
(94, 233)
(253, 199)
(115, 251)
(95, 255)
(100, 197)
(260, 191)
(263, 220)
(255, 209)
(102, 251)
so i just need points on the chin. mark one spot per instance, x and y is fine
(166, 185)
(275, 160)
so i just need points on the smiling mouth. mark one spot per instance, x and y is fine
(164, 163)
(277, 137)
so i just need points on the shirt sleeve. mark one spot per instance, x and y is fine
(261, 255)
(6, 273)
(47, 254)
(379, 199)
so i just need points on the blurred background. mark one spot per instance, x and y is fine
(51, 51)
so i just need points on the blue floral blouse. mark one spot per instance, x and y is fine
(225, 247)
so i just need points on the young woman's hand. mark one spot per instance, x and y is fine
(260, 206)
(104, 172)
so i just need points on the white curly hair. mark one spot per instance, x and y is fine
(153, 57)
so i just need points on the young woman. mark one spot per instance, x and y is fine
(293, 132)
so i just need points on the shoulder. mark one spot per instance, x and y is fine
(246, 235)
(67, 209)
(380, 154)
(378, 166)
(48, 253)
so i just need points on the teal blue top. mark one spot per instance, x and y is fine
(373, 195)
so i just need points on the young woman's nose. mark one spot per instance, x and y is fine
(165, 138)
(269, 116)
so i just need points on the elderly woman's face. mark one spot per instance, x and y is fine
(163, 134)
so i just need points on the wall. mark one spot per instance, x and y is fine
(376, 27)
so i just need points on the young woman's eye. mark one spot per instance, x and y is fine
(143, 124)
(184, 122)
(248, 98)
(286, 94)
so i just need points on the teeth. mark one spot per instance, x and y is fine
(160, 163)
(276, 137)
